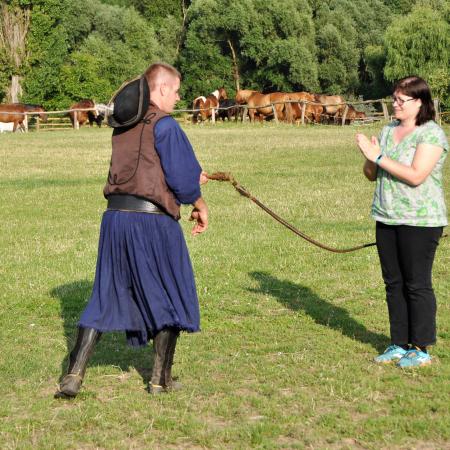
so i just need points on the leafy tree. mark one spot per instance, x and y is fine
(87, 52)
(75, 50)
(344, 29)
(167, 18)
(372, 82)
(205, 58)
(337, 51)
(288, 55)
(400, 6)
(155, 11)
(79, 22)
(170, 35)
(47, 46)
(252, 44)
(80, 77)
(419, 44)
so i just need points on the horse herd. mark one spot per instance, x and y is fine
(290, 107)
(14, 116)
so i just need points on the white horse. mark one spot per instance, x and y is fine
(103, 112)
(8, 126)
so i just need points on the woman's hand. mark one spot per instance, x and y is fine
(370, 149)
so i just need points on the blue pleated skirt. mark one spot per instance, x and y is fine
(144, 280)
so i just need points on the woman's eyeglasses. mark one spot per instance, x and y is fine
(400, 101)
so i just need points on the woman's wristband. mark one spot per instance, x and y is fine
(378, 159)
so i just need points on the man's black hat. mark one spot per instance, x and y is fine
(131, 102)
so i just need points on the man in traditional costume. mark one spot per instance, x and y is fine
(144, 283)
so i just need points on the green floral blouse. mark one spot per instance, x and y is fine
(398, 203)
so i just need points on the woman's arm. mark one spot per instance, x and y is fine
(425, 158)
(370, 170)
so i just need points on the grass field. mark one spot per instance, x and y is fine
(284, 359)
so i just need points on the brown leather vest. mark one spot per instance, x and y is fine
(135, 166)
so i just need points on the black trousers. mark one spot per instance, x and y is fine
(406, 256)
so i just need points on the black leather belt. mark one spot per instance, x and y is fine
(131, 203)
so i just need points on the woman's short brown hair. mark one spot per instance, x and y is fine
(418, 88)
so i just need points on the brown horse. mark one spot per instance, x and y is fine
(332, 104)
(16, 113)
(313, 111)
(211, 102)
(351, 116)
(260, 106)
(203, 106)
(84, 116)
(197, 105)
(221, 94)
(242, 96)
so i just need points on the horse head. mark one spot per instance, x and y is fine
(103, 112)
(42, 114)
(38, 109)
(95, 115)
(222, 94)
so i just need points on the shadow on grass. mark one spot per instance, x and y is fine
(112, 349)
(301, 298)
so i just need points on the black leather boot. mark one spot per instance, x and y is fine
(79, 357)
(163, 350)
(170, 382)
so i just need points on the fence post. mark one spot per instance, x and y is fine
(245, 113)
(37, 122)
(76, 125)
(385, 110)
(213, 115)
(25, 123)
(274, 113)
(438, 113)
(344, 116)
(303, 112)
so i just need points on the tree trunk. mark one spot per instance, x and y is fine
(184, 9)
(235, 66)
(14, 25)
(15, 91)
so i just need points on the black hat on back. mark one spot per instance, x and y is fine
(131, 102)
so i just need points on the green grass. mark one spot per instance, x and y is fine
(288, 330)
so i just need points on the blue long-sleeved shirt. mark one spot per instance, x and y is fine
(178, 161)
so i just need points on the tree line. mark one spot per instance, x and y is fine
(54, 52)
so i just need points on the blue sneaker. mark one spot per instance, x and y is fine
(414, 358)
(392, 353)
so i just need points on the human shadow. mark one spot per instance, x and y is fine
(300, 298)
(112, 349)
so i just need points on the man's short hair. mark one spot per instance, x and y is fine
(157, 70)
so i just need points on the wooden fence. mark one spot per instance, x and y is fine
(59, 120)
(375, 116)
(56, 120)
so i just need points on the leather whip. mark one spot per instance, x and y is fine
(225, 176)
